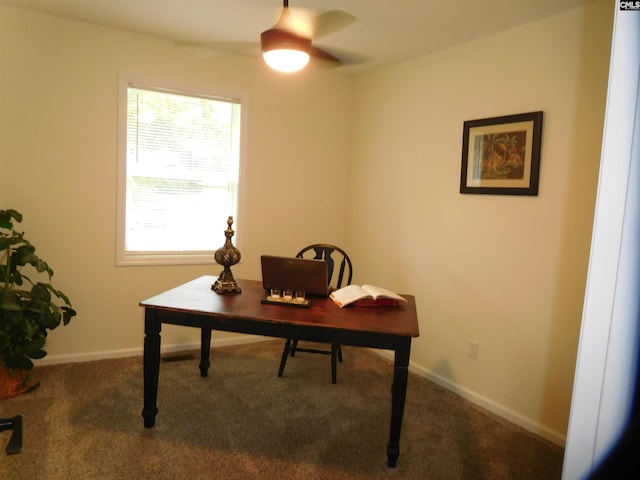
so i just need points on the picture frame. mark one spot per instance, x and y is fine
(501, 155)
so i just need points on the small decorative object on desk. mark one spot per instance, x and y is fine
(226, 256)
(288, 298)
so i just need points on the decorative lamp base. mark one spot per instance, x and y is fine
(226, 283)
(226, 256)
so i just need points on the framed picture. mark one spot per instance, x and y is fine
(501, 155)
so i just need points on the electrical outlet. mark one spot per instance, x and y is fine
(473, 349)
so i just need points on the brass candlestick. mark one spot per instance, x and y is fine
(226, 256)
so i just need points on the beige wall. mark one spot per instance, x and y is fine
(58, 127)
(370, 162)
(508, 272)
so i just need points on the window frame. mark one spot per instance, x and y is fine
(125, 258)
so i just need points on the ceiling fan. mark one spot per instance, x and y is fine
(288, 47)
(292, 35)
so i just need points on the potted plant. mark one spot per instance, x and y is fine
(29, 308)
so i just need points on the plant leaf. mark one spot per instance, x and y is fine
(34, 348)
(67, 314)
(7, 215)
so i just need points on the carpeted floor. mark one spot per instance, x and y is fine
(242, 422)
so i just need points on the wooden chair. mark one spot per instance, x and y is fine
(335, 257)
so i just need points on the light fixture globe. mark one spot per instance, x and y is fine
(284, 51)
(286, 61)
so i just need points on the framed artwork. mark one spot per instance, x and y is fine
(501, 155)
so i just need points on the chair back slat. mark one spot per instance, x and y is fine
(343, 265)
(325, 251)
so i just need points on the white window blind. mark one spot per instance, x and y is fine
(182, 173)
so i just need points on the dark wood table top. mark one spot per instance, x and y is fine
(196, 297)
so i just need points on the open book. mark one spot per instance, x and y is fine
(365, 296)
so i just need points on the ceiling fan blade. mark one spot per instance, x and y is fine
(332, 57)
(331, 22)
(240, 48)
(212, 49)
(320, 54)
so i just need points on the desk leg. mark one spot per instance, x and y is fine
(151, 366)
(205, 351)
(398, 396)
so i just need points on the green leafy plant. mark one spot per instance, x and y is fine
(28, 308)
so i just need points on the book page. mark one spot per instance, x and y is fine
(379, 292)
(349, 294)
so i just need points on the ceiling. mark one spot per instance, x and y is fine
(380, 31)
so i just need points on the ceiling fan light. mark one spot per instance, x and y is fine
(286, 60)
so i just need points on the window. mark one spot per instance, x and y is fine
(178, 175)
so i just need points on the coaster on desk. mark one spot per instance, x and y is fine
(269, 300)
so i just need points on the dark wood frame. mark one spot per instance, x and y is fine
(527, 125)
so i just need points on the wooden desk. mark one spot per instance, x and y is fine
(194, 304)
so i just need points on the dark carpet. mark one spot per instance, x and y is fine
(242, 422)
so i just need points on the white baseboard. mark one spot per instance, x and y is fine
(500, 410)
(134, 352)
